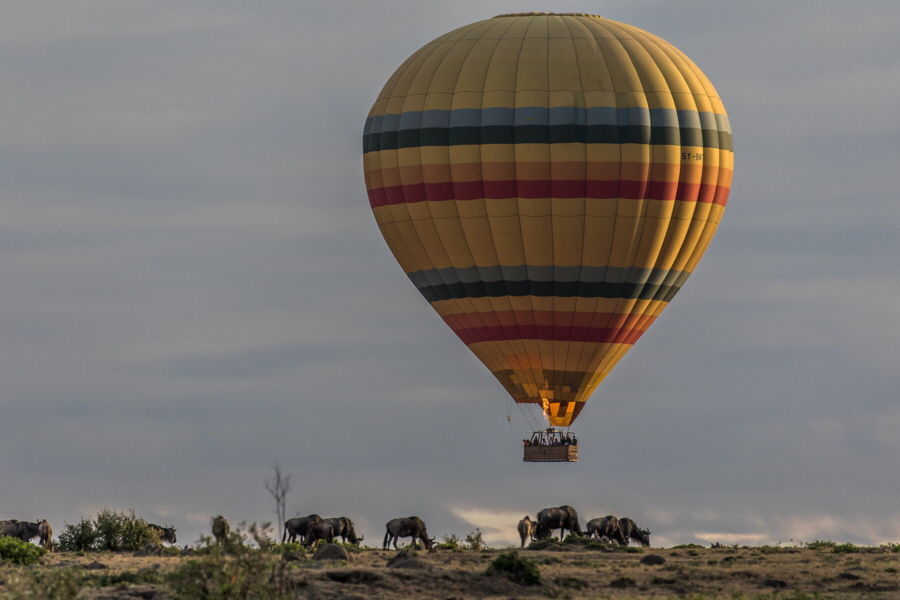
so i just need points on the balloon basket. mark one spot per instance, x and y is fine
(551, 446)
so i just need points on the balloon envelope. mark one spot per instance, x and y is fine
(548, 182)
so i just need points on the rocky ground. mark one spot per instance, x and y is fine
(571, 572)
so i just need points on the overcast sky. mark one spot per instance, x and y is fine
(193, 287)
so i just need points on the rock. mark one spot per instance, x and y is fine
(332, 552)
(137, 592)
(775, 583)
(150, 550)
(653, 559)
(622, 582)
(405, 560)
(293, 556)
(95, 566)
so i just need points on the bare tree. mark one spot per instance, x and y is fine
(279, 487)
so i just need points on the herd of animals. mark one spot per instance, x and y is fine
(609, 528)
(313, 529)
(27, 531)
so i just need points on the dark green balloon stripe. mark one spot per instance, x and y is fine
(560, 289)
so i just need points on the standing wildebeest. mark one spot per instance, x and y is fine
(220, 530)
(606, 527)
(166, 534)
(527, 529)
(631, 531)
(343, 527)
(412, 527)
(46, 533)
(562, 518)
(24, 530)
(8, 527)
(297, 527)
(317, 532)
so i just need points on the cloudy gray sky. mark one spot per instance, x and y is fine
(192, 285)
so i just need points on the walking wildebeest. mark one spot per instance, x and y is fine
(166, 534)
(296, 527)
(630, 531)
(412, 527)
(561, 517)
(526, 529)
(606, 527)
(343, 527)
(317, 532)
(220, 530)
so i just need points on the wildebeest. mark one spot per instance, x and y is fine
(24, 530)
(561, 517)
(606, 527)
(220, 529)
(46, 533)
(526, 529)
(317, 532)
(8, 527)
(166, 534)
(412, 527)
(296, 527)
(343, 527)
(630, 531)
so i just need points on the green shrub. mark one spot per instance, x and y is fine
(585, 542)
(290, 547)
(519, 570)
(845, 549)
(821, 544)
(547, 544)
(249, 574)
(474, 541)
(44, 584)
(79, 537)
(19, 552)
(686, 546)
(111, 530)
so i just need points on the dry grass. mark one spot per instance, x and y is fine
(571, 572)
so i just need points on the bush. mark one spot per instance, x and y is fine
(845, 549)
(451, 542)
(547, 544)
(79, 537)
(44, 584)
(290, 548)
(474, 541)
(250, 574)
(519, 570)
(19, 552)
(112, 531)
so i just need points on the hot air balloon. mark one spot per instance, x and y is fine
(548, 182)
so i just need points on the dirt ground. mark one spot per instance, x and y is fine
(569, 573)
